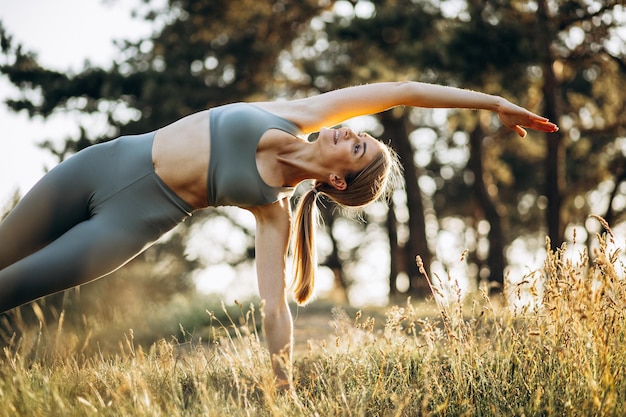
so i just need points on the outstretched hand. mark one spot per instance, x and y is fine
(517, 118)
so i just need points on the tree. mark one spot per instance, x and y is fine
(417, 243)
(586, 67)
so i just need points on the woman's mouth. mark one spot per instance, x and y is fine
(336, 136)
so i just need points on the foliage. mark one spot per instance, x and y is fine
(560, 354)
(4, 211)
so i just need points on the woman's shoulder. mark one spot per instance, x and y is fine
(277, 213)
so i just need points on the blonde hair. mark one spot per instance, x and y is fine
(363, 187)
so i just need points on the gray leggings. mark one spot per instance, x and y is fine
(84, 219)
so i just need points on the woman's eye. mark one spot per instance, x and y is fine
(356, 148)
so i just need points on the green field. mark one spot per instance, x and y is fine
(563, 355)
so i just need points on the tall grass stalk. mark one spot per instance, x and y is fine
(561, 354)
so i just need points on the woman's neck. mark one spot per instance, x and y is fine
(297, 162)
(283, 159)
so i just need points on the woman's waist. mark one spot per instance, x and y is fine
(180, 155)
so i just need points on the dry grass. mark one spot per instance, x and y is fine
(561, 355)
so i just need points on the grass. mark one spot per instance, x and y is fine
(562, 354)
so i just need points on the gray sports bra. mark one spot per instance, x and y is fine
(234, 179)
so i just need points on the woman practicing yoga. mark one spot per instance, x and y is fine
(103, 206)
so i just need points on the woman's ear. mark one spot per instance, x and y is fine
(337, 182)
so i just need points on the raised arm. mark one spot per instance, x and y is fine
(271, 244)
(334, 107)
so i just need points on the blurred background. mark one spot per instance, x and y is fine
(479, 205)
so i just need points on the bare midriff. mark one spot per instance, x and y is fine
(180, 154)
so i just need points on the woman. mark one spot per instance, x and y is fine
(100, 208)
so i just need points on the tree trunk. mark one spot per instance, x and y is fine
(492, 211)
(340, 287)
(555, 155)
(610, 216)
(394, 249)
(395, 128)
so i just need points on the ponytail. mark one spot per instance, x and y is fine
(304, 253)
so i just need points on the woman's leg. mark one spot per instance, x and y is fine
(87, 251)
(84, 219)
(54, 205)
(57, 204)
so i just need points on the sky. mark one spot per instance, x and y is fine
(63, 34)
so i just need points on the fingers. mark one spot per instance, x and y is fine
(552, 127)
(540, 123)
(537, 123)
(538, 118)
(545, 126)
(522, 118)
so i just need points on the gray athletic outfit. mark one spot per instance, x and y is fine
(233, 176)
(100, 208)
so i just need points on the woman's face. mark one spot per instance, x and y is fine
(346, 151)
